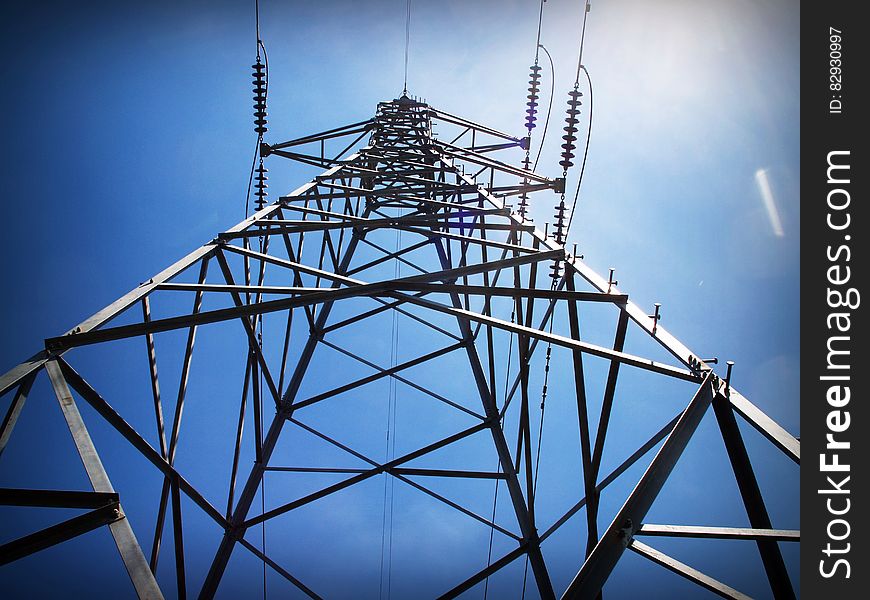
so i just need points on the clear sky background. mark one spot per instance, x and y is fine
(126, 143)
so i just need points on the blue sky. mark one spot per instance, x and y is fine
(127, 141)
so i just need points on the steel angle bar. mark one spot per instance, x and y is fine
(672, 564)
(510, 292)
(589, 474)
(307, 210)
(318, 161)
(239, 289)
(628, 359)
(131, 554)
(314, 470)
(18, 373)
(492, 147)
(179, 408)
(55, 498)
(720, 533)
(480, 159)
(484, 573)
(15, 408)
(155, 382)
(56, 534)
(351, 129)
(278, 568)
(750, 492)
(314, 161)
(445, 116)
(594, 573)
(606, 408)
(461, 135)
(449, 473)
(249, 329)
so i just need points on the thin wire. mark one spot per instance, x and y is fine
(549, 108)
(263, 249)
(251, 179)
(263, 502)
(582, 39)
(386, 563)
(398, 271)
(585, 155)
(260, 323)
(407, 45)
(257, 22)
(538, 37)
(540, 436)
(507, 376)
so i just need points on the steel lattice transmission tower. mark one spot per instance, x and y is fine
(410, 229)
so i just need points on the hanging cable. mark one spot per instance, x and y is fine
(498, 467)
(260, 82)
(540, 436)
(407, 45)
(549, 106)
(531, 110)
(560, 229)
(261, 89)
(585, 155)
(386, 565)
(263, 478)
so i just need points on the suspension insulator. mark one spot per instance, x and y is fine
(571, 129)
(260, 186)
(559, 229)
(556, 270)
(523, 206)
(532, 104)
(259, 76)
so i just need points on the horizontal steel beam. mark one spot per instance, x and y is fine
(330, 133)
(56, 498)
(358, 288)
(558, 340)
(722, 533)
(61, 532)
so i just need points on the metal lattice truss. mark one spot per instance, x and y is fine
(472, 261)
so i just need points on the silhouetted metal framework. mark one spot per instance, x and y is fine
(447, 199)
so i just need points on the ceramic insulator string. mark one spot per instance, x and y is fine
(261, 186)
(259, 76)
